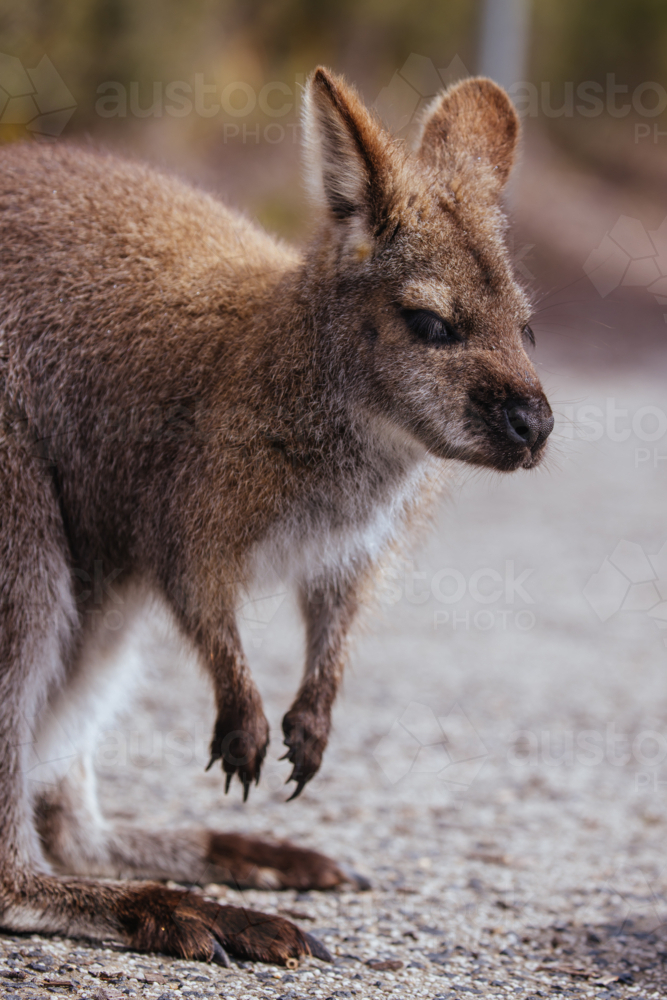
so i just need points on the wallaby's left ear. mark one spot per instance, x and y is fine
(470, 134)
(345, 150)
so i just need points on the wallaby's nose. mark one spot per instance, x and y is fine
(529, 424)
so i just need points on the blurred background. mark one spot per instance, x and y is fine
(211, 89)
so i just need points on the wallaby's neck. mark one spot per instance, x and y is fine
(309, 378)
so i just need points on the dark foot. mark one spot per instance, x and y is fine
(245, 861)
(306, 736)
(240, 739)
(182, 924)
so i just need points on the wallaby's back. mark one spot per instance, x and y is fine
(128, 300)
(110, 254)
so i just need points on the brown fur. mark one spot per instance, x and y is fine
(187, 404)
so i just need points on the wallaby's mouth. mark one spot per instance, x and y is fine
(511, 435)
(490, 453)
(506, 460)
(535, 457)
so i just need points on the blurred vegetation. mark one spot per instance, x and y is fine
(586, 39)
(590, 40)
(91, 41)
(142, 42)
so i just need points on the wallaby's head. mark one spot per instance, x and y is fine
(414, 283)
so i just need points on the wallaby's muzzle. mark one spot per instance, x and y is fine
(519, 428)
(528, 423)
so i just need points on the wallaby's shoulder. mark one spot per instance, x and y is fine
(65, 197)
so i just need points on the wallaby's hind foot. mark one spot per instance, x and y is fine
(151, 917)
(76, 841)
(181, 923)
(246, 861)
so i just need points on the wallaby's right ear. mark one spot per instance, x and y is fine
(470, 135)
(345, 150)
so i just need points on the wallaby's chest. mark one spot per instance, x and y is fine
(340, 525)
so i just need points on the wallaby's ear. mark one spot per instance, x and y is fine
(470, 134)
(345, 150)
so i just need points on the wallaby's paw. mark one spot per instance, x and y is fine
(306, 736)
(180, 923)
(240, 740)
(246, 861)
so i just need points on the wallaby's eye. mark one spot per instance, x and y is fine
(432, 328)
(528, 335)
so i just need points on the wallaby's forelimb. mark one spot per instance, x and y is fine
(329, 610)
(241, 733)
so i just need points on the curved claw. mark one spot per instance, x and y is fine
(317, 949)
(220, 956)
(245, 779)
(300, 785)
(305, 736)
(240, 739)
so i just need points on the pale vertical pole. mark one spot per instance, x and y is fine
(503, 52)
(504, 40)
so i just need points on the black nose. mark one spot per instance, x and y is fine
(529, 424)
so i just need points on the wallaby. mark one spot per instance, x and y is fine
(187, 405)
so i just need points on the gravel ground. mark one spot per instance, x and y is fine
(498, 767)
